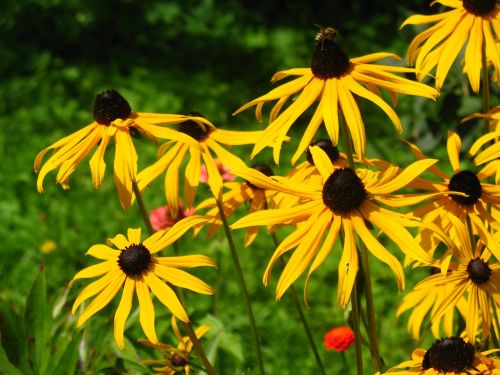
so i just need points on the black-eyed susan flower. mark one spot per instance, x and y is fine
(476, 199)
(133, 267)
(237, 194)
(176, 359)
(113, 120)
(425, 301)
(344, 200)
(473, 274)
(471, 23)
(208, 139)
(450, 355)
(335, 81)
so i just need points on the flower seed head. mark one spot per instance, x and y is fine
(479, 271)
(327, 146)
(109, 106)
(468, 183)
(178, 361)
(264, 169)
(479, 7)
(329, 60)
(343, 191)
(450, 354)
(193, 129)
(134, 259)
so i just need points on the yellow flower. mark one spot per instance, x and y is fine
(113, 119)
(490, 140)
(471, 274)
(48, 246)
(203, 140)
(239, 193)
(343, 200)
(335, 81)
(133, 266)
(450, 355)
(478, 196)
(176, 358)
(470, 23)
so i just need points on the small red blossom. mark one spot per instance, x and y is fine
(162, 219)
(339, 339)
(223, 170)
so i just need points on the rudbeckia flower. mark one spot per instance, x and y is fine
(470, 23)
(336, 81)
(207, 140)
(344, 200)
(473, 274)
(133, 266)
(113, 120)
(477, 196)
(176, 359)
(450, 355)
(237, 195)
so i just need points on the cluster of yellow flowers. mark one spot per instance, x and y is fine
(333, 196)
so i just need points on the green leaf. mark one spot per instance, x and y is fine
(67, 362)
(38, 321)
(6, 367)
(12, 333)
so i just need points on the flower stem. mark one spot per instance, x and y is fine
(142, 208)
(357, 328)
(144, 213)
(486, 86)
(302, 316)
(243, 286)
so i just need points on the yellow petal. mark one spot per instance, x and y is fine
(125, 166)
(187, 261)
(182, 279)
(146, 308)
(123, 311)
(348, 265)
(167, 296)
(103, 252)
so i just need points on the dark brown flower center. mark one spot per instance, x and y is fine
(262, 168)
(134, 259)
(194, 129)
(479, 271)
(468, 183)
(479, 7)
(343, 191)
(329, 60)
(451, 354)
(109, 106)
(327, 146)
(178, 361)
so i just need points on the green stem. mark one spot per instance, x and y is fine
(142, 208)
(243, 286)
(144, 213)
(344, 362)
(302, 316)
(372, 327)
(486, 86)
(357, 331)
(496, 323)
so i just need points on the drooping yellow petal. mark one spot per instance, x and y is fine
(123, 311)
(348, 265)
(103, 298)
(331, 109)
(473, 54)
(97, 164)
(146, 308)
(125, 166)
(352, 118)
(182, 279)
(192, 177)
(166, 296)
(214, 177)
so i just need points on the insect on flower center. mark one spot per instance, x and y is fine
(178, 361)
(328, 60)
(479, 271)
(479, 7)
(110, 106)
(451, 354)
(134, 259)
(194, 129)
(264, 169)
(343, 191)
(327, 146)
(468, 183)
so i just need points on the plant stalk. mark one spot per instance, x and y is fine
(243, 286)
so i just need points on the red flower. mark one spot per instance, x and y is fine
(339, 338)
(162, 219)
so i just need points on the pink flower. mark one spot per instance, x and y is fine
(161, 219)
(223, 170)
(339, 339)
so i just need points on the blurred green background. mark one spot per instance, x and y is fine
(175, 57)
